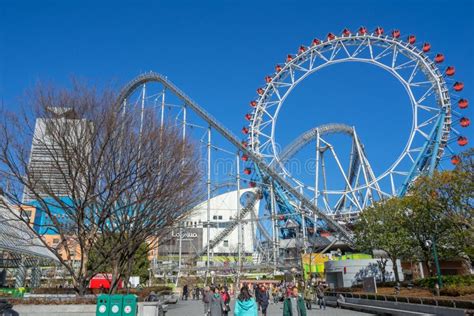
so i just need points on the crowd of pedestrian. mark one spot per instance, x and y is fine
(255, 298)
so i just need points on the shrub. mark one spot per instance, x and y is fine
(455, 290)
(460, 280)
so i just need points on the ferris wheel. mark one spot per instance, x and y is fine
(434, 99)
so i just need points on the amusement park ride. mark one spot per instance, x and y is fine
(295, 207)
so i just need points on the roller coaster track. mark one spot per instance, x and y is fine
(342, 233)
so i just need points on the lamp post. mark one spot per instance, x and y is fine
(432, 244)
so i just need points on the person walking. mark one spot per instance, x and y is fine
(185, 292)
(257, 296)
(226, 300)
(294, 304)
(308, 296)
(264, 300)
(216, 304)
(320, 295)
(245, 304)
(206, 299)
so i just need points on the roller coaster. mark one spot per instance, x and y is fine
(307, 208)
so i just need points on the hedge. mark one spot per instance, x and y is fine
(459, 280)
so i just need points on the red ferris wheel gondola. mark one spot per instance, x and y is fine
(245, 157)
(253, 103)
(346, 32)
(362, 30)
(302, 49)
(396, 33)
(331, 36)
(252, 184)
(458, 86)
(411, 39)
(277, 68)
(315, 42)
(439, 58)
(247, 171)
(248, 116)
(463, 103)
(378, 31)
(245, 130)
(450, 71)
(462, 141)
(455, 159)
(464, 122)
(289, 58)
(426, 47)
(260, 91)
(268, 79)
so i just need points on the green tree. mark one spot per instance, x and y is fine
(382, 227)
(140, 264)
(440, 210)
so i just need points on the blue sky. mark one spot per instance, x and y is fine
(218, 52)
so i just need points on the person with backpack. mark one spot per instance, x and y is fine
(226, 299)
(206, 299)
(245, 304)
(320, 295)
(308, 296)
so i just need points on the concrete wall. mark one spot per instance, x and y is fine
(55, 310)
(345, 273)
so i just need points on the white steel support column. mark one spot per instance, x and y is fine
(274, 230)
(303, 225)
(239, 226)
(208, 200)
(180, 252)
(162, 120)
(316, 182)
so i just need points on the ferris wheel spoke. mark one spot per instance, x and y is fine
(428, 121)
(426, 136)
(345, 49)
(428, 108)
(421, 84)
(335, 51)
(414, 71)
(360, 48)
(394, 56)
(387, 51)
(429, 92)
(408, 64)
(371, 50)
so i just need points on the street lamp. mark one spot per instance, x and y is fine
(432, 244)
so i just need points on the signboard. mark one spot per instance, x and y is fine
(369, 285)
(191, 242)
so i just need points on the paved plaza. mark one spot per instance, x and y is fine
(195, 308)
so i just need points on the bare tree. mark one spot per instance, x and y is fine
(92, 169)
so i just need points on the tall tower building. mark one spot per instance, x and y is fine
(47, 164)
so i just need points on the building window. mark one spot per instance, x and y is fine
(220, 216)
(214, 217)
(226, 243)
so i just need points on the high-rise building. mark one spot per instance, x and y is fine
(47, 162)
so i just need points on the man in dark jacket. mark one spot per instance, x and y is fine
(294, 304)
